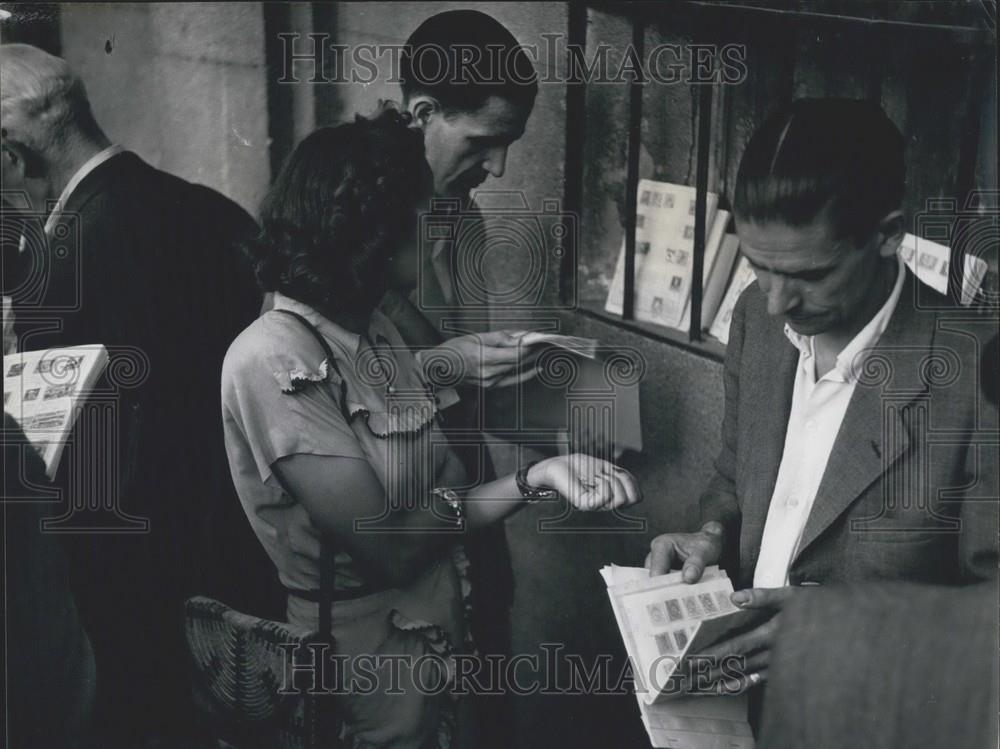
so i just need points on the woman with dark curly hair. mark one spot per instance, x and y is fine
(333, 437)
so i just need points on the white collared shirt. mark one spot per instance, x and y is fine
(90, 165)
(818, 408)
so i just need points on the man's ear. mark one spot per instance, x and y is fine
(11, 156)
(890, 233)
(14, 162)
(423, 108)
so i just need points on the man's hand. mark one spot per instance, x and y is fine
(586, 482)
(695, 551)
(486, 360)
(753, 647)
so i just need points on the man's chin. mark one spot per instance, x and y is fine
(808, 326)
(461, 188)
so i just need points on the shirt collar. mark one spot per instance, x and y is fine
(348, 342)
(90, 165)
(852, 358)
(362, 396)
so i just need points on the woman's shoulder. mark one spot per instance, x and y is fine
(277, 351)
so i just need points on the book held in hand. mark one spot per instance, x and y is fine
(664, 622)
(43, 390)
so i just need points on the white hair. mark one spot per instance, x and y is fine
(42, 102)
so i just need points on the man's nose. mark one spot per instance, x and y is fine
(781, 295)
(496, 161)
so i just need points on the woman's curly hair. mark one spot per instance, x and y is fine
(343, 201)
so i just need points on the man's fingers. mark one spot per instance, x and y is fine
(742, 684)
(761, 598)
(730, 667)
(501, 338)
(694, 567)
(510, 337)
(662, 553)
(758, 662)
(747, 643)
(514, 379)
(501, 356)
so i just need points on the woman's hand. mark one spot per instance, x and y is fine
(586, 482)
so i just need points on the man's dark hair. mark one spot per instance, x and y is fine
(343, 201)
(844, 156)
(463, 57)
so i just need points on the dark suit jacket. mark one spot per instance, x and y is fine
(910, 489)
(48, 668)
(837, 680)
(146, 264)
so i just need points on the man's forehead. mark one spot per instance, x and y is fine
(784, 244)
(499, 115)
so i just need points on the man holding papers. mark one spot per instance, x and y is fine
(855, 444)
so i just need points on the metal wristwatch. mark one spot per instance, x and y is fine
(529, 492)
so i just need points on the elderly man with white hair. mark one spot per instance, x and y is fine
(153, 273)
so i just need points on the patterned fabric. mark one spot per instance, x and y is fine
(241, 662)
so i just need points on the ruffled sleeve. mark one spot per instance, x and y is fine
(282, 396)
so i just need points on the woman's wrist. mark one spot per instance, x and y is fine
(538, 486)
(537, 476)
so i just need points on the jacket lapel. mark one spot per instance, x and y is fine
(873, 433)
(770, 389)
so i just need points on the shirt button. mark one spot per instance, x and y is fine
(793, 502)
(811, 424)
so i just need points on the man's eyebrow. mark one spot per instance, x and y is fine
(817, 270)
(494, 138)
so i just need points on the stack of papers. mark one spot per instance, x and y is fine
(662, 619)
(43, 391)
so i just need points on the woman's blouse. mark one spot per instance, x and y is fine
(280, 397)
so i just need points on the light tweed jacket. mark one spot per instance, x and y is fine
(910, 489)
